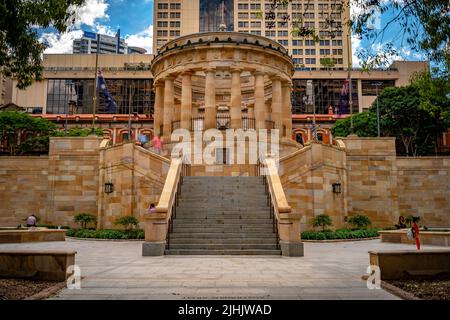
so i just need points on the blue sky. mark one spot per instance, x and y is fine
(135, 19)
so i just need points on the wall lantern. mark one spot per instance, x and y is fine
(109, 187)
(337, 188)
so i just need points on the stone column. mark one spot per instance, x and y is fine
(236, 99)
(210, 100)
(287, 109)
(168, 107)
(158, 115)
(260, 106)
(277, 102)
(186, 101)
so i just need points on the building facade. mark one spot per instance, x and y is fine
(90, 41)
(295, 25)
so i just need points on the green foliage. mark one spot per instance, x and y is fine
(359, 221)
(415, 115)
(13, 127)
(80, 132)
(127, 222)
(340, 234)
(364, 124)
(85, 219)
(20, 50)
(106, 234)
(322, 220)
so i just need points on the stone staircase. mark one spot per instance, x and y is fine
(223, 216)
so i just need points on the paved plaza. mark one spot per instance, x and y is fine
(116, 270)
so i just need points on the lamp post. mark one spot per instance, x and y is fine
(377, 86)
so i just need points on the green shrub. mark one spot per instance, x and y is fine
(340, 234)
(84, 219)
(129, 223)
(323, 221)
(359, 221)
(106, 234)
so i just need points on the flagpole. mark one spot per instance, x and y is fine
(94, 102)
(349, 67)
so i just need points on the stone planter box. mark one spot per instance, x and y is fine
(36, 265)
(432, 238)
(37, 235)
(403, 265)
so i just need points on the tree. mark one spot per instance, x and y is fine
(415, 115)
(84, 219)
(359, 221)
(127, 222)
(323, 221)
(20, 50)
(21, 133)
(80, 132)
(423, 25)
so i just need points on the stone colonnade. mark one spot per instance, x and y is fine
(165, 113)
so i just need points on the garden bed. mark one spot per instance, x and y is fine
(16, 289)
(107, 234)
(340, 235)
(425, 289)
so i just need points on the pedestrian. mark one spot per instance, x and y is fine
(152, 209)
(31, 221)
(157, 144)
(415, 228)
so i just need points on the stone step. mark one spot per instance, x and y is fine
(251, 252)
(235, 235)
(219, 222)
(240, 246)
(222, 229)
(187, 240)
(222, 208)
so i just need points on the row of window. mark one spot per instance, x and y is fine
(166, 24)
(165, 6)
(165, 15)
(166, 33)
(299, 61)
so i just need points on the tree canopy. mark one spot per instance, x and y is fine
(415, 115)
(20, 49)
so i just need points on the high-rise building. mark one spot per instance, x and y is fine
(108, 45)
(283, 23)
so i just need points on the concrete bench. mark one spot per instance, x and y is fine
(36, 265)
(32, 235)
(402, 265)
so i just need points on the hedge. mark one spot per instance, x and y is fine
(340, 234)
(106, 234)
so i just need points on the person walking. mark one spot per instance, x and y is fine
(157, 144)
(415, 228)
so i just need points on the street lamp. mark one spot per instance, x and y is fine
(377, 86)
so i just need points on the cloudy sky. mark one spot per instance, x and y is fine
(135, 19)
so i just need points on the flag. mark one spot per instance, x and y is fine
(101, 84)
(345, 101)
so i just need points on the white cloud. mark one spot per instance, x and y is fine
(87, 14)
(143, 39)
(60, 43)
(356, 45)
(90, 12)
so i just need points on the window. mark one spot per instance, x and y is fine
(257, 32)
(337, 52)
(255, 6)
(297, 61)
(175, 24)
(310, 43)
(324, 52)
(79, 92)
(310, 52)
(255, 24)
(324, 42)
(163, 6)
(282, 33)
(297, 42)
(297, 52)
(337, 42)
(270, 34)
(175, 6)
(243, 24)
(163, 15)
(162, 24)
(243, 6)
(174, 33)
(243, 15)
(369, 87)
(175, 15)
(162, 33)
(284, 42)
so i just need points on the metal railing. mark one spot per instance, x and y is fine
(184, 172)
(198, 123)
(248, 123)
(223, 121)
(261, 172)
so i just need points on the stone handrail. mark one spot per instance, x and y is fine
(287, 222)
(157, 224)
